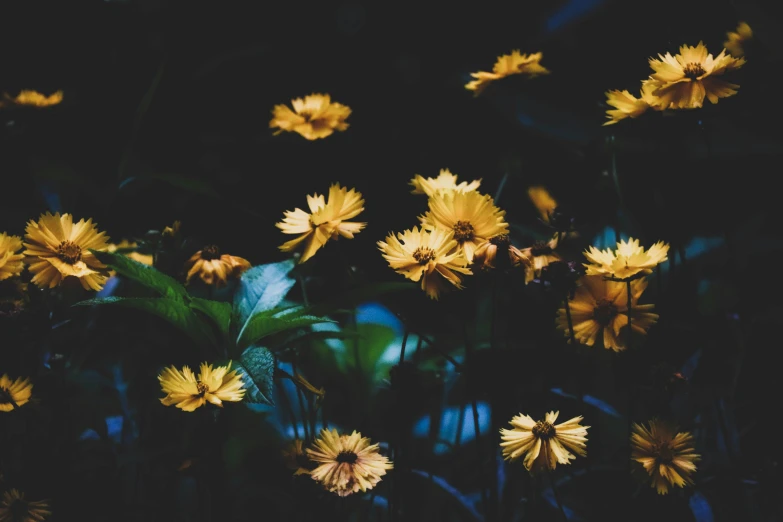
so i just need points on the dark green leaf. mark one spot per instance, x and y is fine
(264, 324)
(258, 365)
(359, 295)
(143, 274)
(261, 288)
(218, 311)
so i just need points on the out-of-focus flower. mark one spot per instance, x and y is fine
(543, 444)
(628, 260)
(347, 463)
(540, 254)
(627, 105)
(173, 230)
(11, 264)
(601, 306)
(187, 391)
(33, 99)
(128, 249)
(667, 456)
(499, 253)
(14, 508)
(13, 297)
(445, 181)
(432, 257)
(213, 267)
(296, 459)
(737, 39)
(542, 200)
(57, 248)
(14, 393)
(315, 116)
(326, 220)
(506, 65)
(562, 276)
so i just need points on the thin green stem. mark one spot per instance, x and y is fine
(402, 348)
(630, 312)
(554, 486)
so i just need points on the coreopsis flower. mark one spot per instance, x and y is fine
(128, 249)
(14, 393)
(498, 252)
(326, 220)
(14, 508)
(600, 308)
(543, 444)
(667, 455)
(347, 463)
(540, 254)
(627, 105)
(506, 65)
(11, 264)
(315, 116)
(472, 216)
(445, 181)
(213, 267)
(543, 201)
(57, 248)
(188, 391)
(628, 260)
(296, 459)
(34, 99)
(432, 257)
(686, 78)
(737, 39)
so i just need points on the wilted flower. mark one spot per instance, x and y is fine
(313, 117)
(506, 65)
(543, 444)
(498, 252)
(213, 267)
(11, 264)
(14, 393)
(187, 391)
(296, 459)
(667, 456)
(627, 261)
(33, 99)
(737, 39)
(540, 254)
(445, 181)
(14, 508)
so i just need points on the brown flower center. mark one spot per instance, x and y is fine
(693, 70)
(664, 452)
(5, 396)
(69, 252)
(423, 255)
(501, 241)
(20, 510)
(463, 231)
(347, 457)
(210, 252)
(540, 248)
(604, 312)
(543, 430)
(202, 388)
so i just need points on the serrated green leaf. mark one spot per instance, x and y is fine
(144, 275)
(218, 311)
(359, 295)
(261, 288)
(263, 324)
(258, 365)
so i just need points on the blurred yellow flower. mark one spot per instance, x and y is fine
(173, 230)
(737, 39)
(667, 456)
(315, 116)
(540, 255)
(627, 106)
(543, 444)
(187, 391)
(498, 252)
(445, 181)
(125, 247)
(14, 508)
(347, 463)
(14, 393)
(11, 264)
(296, 459)
(57, 248)
(628, 260)
(34, 98)
(542, 200)
(506, 65)
(213, 267)
(326, 221)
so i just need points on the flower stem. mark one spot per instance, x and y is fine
(553, 485)
(302, 409)
(402, 348)
(630, 309)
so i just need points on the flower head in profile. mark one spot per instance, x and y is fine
(737, 39)
(58, 248)
(430, 256)
(129, 249)
(506, 65)
(543, 444)
(327, 219)
(626, 105)
(212, 267)
(313, 117)
(347, 464)
(445, 181)
(667, 455)
(188, 391)
(14, 393)
(685, 79)
(31, 98)
(11, 264)
(14, 508)
(628, 260)
(540, 255)
(600, 308)
(498, 253)
(296, 459)
(542, 200)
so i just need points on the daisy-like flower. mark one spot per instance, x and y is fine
(686, 78)
(600, 307)
(34, 99)
(626, 105)
(628, 260)
(315, 116)
(506, 65)
(542, 200)
(187, 391)
(327, 220)
(128, 249)
(667, 455)
(57, 248)
(472, 216)
(445, 181)
(432, 257)
(735, 44)
(347, 463)
(296, 459)
(498, 252)
(543, 444)
(213, 267)
(540, 255)
(11, 264)
(14, 508)
(14, 393)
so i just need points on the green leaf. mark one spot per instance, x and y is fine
(258, 365)
(261, 288)
(144, 275)
(267, 323)
(218, 311)
(359, 295)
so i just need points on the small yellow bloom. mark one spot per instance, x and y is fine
(445, 181)
(432, 257)
(14, 508)
(313, 117)
(627, 106)
(737, 39)
(35, 98)
(542, 200)
(14, 394)
(57, 248)
(347, 463)
(188, 392)
(667, 456)
(506, 65)
(543, 444)
(540, 255)
(498, 252)
(327, 220)
(126, 247)
(173, 230)
(213, 267)
(296, 459)
(686, 78)
(11, 264)
(628, 260)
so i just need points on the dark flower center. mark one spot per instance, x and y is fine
(543, 430)
(664, 452)
(210, 252)
(604, 312)
(463, 231)
(693, 70)
(423, 255)
(5, 396)
(202, 388)
(69, 252)
(500, 241)
(346, 457)
(540, 248)
(19, 510)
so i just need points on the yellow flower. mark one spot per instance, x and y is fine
(14, 508)
(57, 248)
(296, 459)
(540, 255)
(11, 264)
(35, 98)
(14, 394)
(188, 392)
(627, 106)
(543, 444)
(737, 39)
(686, 78)
(313, 117)
(498, 252)
(542, 200)
(667, 456)
(432, 257)
(327, 220)
(213, 267)
(628, 260)
(472, 216)
(133, 254)
(506, 65)
(347, 463)
(173, 230)
(445, 181)
(600, 305)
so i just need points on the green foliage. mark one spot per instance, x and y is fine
(261, 288)
(143, 274)
(258, 365)
(270, 322)
(218, 311)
